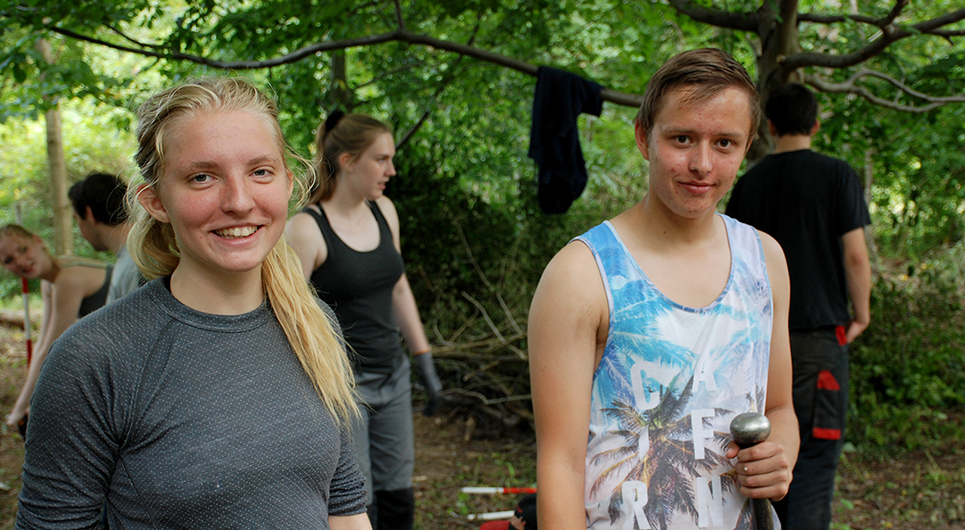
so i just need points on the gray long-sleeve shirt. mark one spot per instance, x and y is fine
(181, 419)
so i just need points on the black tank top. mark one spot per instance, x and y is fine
(358, 286)
(97, 300)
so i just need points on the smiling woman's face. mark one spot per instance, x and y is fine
(224, 189)
(22, 256)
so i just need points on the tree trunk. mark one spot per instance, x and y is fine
(778, 35)
(339, 83)
(63, 226)
(62, 219)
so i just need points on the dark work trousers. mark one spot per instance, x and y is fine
(384, 446)
(820, 364)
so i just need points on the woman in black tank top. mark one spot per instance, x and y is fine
(71, 288)
(348, 244)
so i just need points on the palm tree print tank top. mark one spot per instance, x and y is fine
(669, 383)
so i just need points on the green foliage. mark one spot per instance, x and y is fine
(907, 369)
(915, 164)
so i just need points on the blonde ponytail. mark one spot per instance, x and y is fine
(310, 330)
(153, 245)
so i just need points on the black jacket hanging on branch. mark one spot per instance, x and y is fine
(554, 142)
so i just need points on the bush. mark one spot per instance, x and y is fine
(908, 369)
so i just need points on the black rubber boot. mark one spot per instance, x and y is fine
(396, 509)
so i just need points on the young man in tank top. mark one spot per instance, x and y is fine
(650, 332)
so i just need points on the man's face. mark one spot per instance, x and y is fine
(695, 149)
(88, 229)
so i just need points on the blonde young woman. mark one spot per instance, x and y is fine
(70, 288)
(218, 395)
(348, 243)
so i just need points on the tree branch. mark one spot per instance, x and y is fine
(740, 21)
(132, 40)
(716, 17)
(399, 35)
(889, 34)
(398, 15)
(289, 58)
(442, 86)
(852, 87)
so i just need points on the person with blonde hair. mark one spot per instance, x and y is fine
(70, 288)
(219, 395)
(348, 242)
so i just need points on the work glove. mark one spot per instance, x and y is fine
(427, 374)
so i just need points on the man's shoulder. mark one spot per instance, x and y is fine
(794, 165)
(811, 158)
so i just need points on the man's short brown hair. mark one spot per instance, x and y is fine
(707, 71)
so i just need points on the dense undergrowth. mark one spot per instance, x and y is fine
(908, 369)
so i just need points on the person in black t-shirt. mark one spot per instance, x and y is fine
(814, 207)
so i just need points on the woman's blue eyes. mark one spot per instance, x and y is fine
(204, 177)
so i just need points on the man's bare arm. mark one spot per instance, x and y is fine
(857, 270)
(564, 324)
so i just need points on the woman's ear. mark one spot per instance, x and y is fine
(345, 162)
(151, 201)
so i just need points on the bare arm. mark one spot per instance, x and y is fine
(566, 322)
(61, 303)
(306, 239)
(764, 471)
(857, 270)
(406, 315)
(349, 522)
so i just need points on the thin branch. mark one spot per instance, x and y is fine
(836, 19)
(492, 326)
(486, 282)
(442, 86)
(398, 15)
(889, 34)
(850, 86)
(132, 40)
(895, 12)
(388, 73)
(289, 58)
(487, 401)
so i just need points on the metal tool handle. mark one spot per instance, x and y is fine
(748, 430)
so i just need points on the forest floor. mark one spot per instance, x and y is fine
(910, 491)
